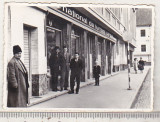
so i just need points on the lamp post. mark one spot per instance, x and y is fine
(129, 78)
(128, 36)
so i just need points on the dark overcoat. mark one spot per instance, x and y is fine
(141, 65)
(76, 67)
(96, 71)
(17, 84)
(55, 62)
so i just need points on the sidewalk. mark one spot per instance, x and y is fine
(38, 99)
(129, 95)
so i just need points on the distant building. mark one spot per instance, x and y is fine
(143, 35)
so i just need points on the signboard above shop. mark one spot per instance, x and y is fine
(82, 18)
(77, 15)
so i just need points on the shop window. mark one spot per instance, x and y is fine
(143, 33)
(143, 48)
(75, 42)
(53, 39)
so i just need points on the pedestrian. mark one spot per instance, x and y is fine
(65, 67)
(135, 63)
(96, 73)
(141, 65)
(76, 66)
(54, 63)
(17, 78)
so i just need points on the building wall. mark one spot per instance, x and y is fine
(109, 48)
(27, 29)
(21, 15)
(146, 40)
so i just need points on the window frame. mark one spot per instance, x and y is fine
(143, 48)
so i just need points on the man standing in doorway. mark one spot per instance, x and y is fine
(55, 66)
(76, 66)
(96, 73)
(65, 68)
(17, 78)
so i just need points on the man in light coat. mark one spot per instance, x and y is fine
(65, 67)
(17, 78)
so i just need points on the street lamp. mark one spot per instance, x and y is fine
(128, 36)
(128, 61)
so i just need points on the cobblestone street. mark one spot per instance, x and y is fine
(143, 99)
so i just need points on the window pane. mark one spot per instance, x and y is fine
(142, 32)
(143, 48)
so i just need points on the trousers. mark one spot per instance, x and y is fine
(74, 76)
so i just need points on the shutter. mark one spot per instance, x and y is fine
(26, 49)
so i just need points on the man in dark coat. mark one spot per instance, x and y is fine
(76, 66)
(141, 65)
(55, 66)
(96, 73)
(65, 67)
(17, 78)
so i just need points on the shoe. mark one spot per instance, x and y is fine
(71, 92)
(76, 92)
(54, 90)
(61, 89)
(65, 89)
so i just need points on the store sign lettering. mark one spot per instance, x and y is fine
(79, 17)
(75, 15)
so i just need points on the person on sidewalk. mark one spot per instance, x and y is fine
(135, 63)
(76, 67)
(55, 66)
(96, 73)
(65, 67)
(17, 78)
(141, 65)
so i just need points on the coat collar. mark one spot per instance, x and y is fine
(18, 65)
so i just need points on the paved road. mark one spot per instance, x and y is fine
(143, 99)
(112, 93)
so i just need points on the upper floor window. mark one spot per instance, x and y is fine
(99, 10)
(143, 48)
(107, 14)
(143, 33)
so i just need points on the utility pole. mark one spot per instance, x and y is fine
(128, 60)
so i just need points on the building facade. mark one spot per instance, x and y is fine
(103, 34)
(144, 35)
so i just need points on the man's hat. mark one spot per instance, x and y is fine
(16, 49)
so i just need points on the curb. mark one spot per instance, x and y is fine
(65, 92)
(139, 90)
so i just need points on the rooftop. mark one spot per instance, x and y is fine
(144, 17)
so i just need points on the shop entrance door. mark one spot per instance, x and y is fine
(30, 37)
(53, 39)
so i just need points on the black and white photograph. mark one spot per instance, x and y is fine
(78, 57)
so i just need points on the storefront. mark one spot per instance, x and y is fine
(59, 27)
(80, 34)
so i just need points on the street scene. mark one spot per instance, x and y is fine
(112, 93)
(79, 57)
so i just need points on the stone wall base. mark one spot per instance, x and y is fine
(40, 84)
